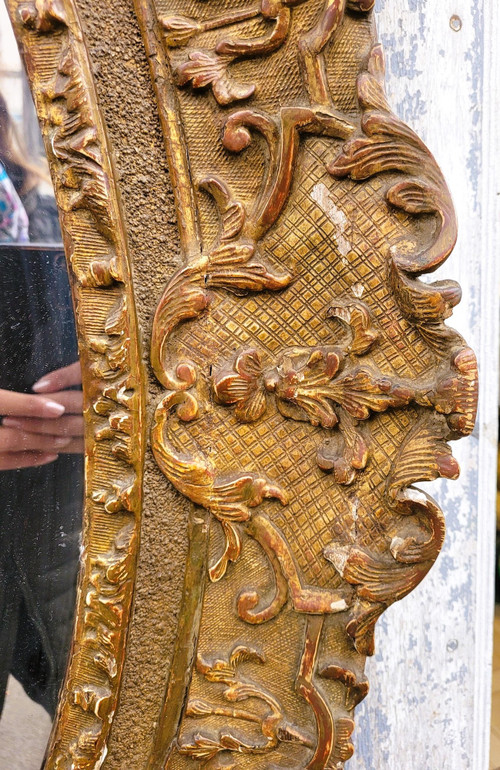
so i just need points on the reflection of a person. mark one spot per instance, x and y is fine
(29, 181)
(13, 218)
(41, 483)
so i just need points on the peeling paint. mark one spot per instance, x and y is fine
(321, 194)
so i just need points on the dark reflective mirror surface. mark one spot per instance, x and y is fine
(41, 431)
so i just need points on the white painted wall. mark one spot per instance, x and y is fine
(429, 704)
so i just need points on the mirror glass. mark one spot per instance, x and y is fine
(41, 431)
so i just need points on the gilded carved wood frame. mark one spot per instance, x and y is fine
(303, 377)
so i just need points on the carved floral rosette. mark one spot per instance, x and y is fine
(310, 378)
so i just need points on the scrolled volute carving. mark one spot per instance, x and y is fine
(369, 423)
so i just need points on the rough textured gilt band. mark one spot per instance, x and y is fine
(56, 60)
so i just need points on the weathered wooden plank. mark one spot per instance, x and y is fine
(430, 681)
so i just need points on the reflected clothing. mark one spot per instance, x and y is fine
(40, 526)
(43, 217)
(13, 218)
(40, 207)
(40, 508)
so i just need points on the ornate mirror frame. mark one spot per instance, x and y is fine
(301, 375)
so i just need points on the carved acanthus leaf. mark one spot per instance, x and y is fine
(307, 384)
(228, 496)
(231, 211)
(273, 726)
(248, 277)
(185, 297)
(387, 144)
(300, 385)
(381, 580)
(457, 393)
(424, 303)
(424, 455)
(363, 391)
(202, 69)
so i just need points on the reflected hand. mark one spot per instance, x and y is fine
(37, 428)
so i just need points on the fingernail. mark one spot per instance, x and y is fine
(48, 459)
(11, 422)
(62, 441)
(43, 384)
(53, 408)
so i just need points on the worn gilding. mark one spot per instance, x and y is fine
(57, 64)
(308, 377)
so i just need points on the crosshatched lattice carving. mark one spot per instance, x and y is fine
(311, 378)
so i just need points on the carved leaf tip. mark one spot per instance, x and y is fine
(179, 29)
(104, 273)
(358, 318)
(457, 394)
(345, 454)
(202, 69)
(43, 15)
(232, 213)
(360, 6)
